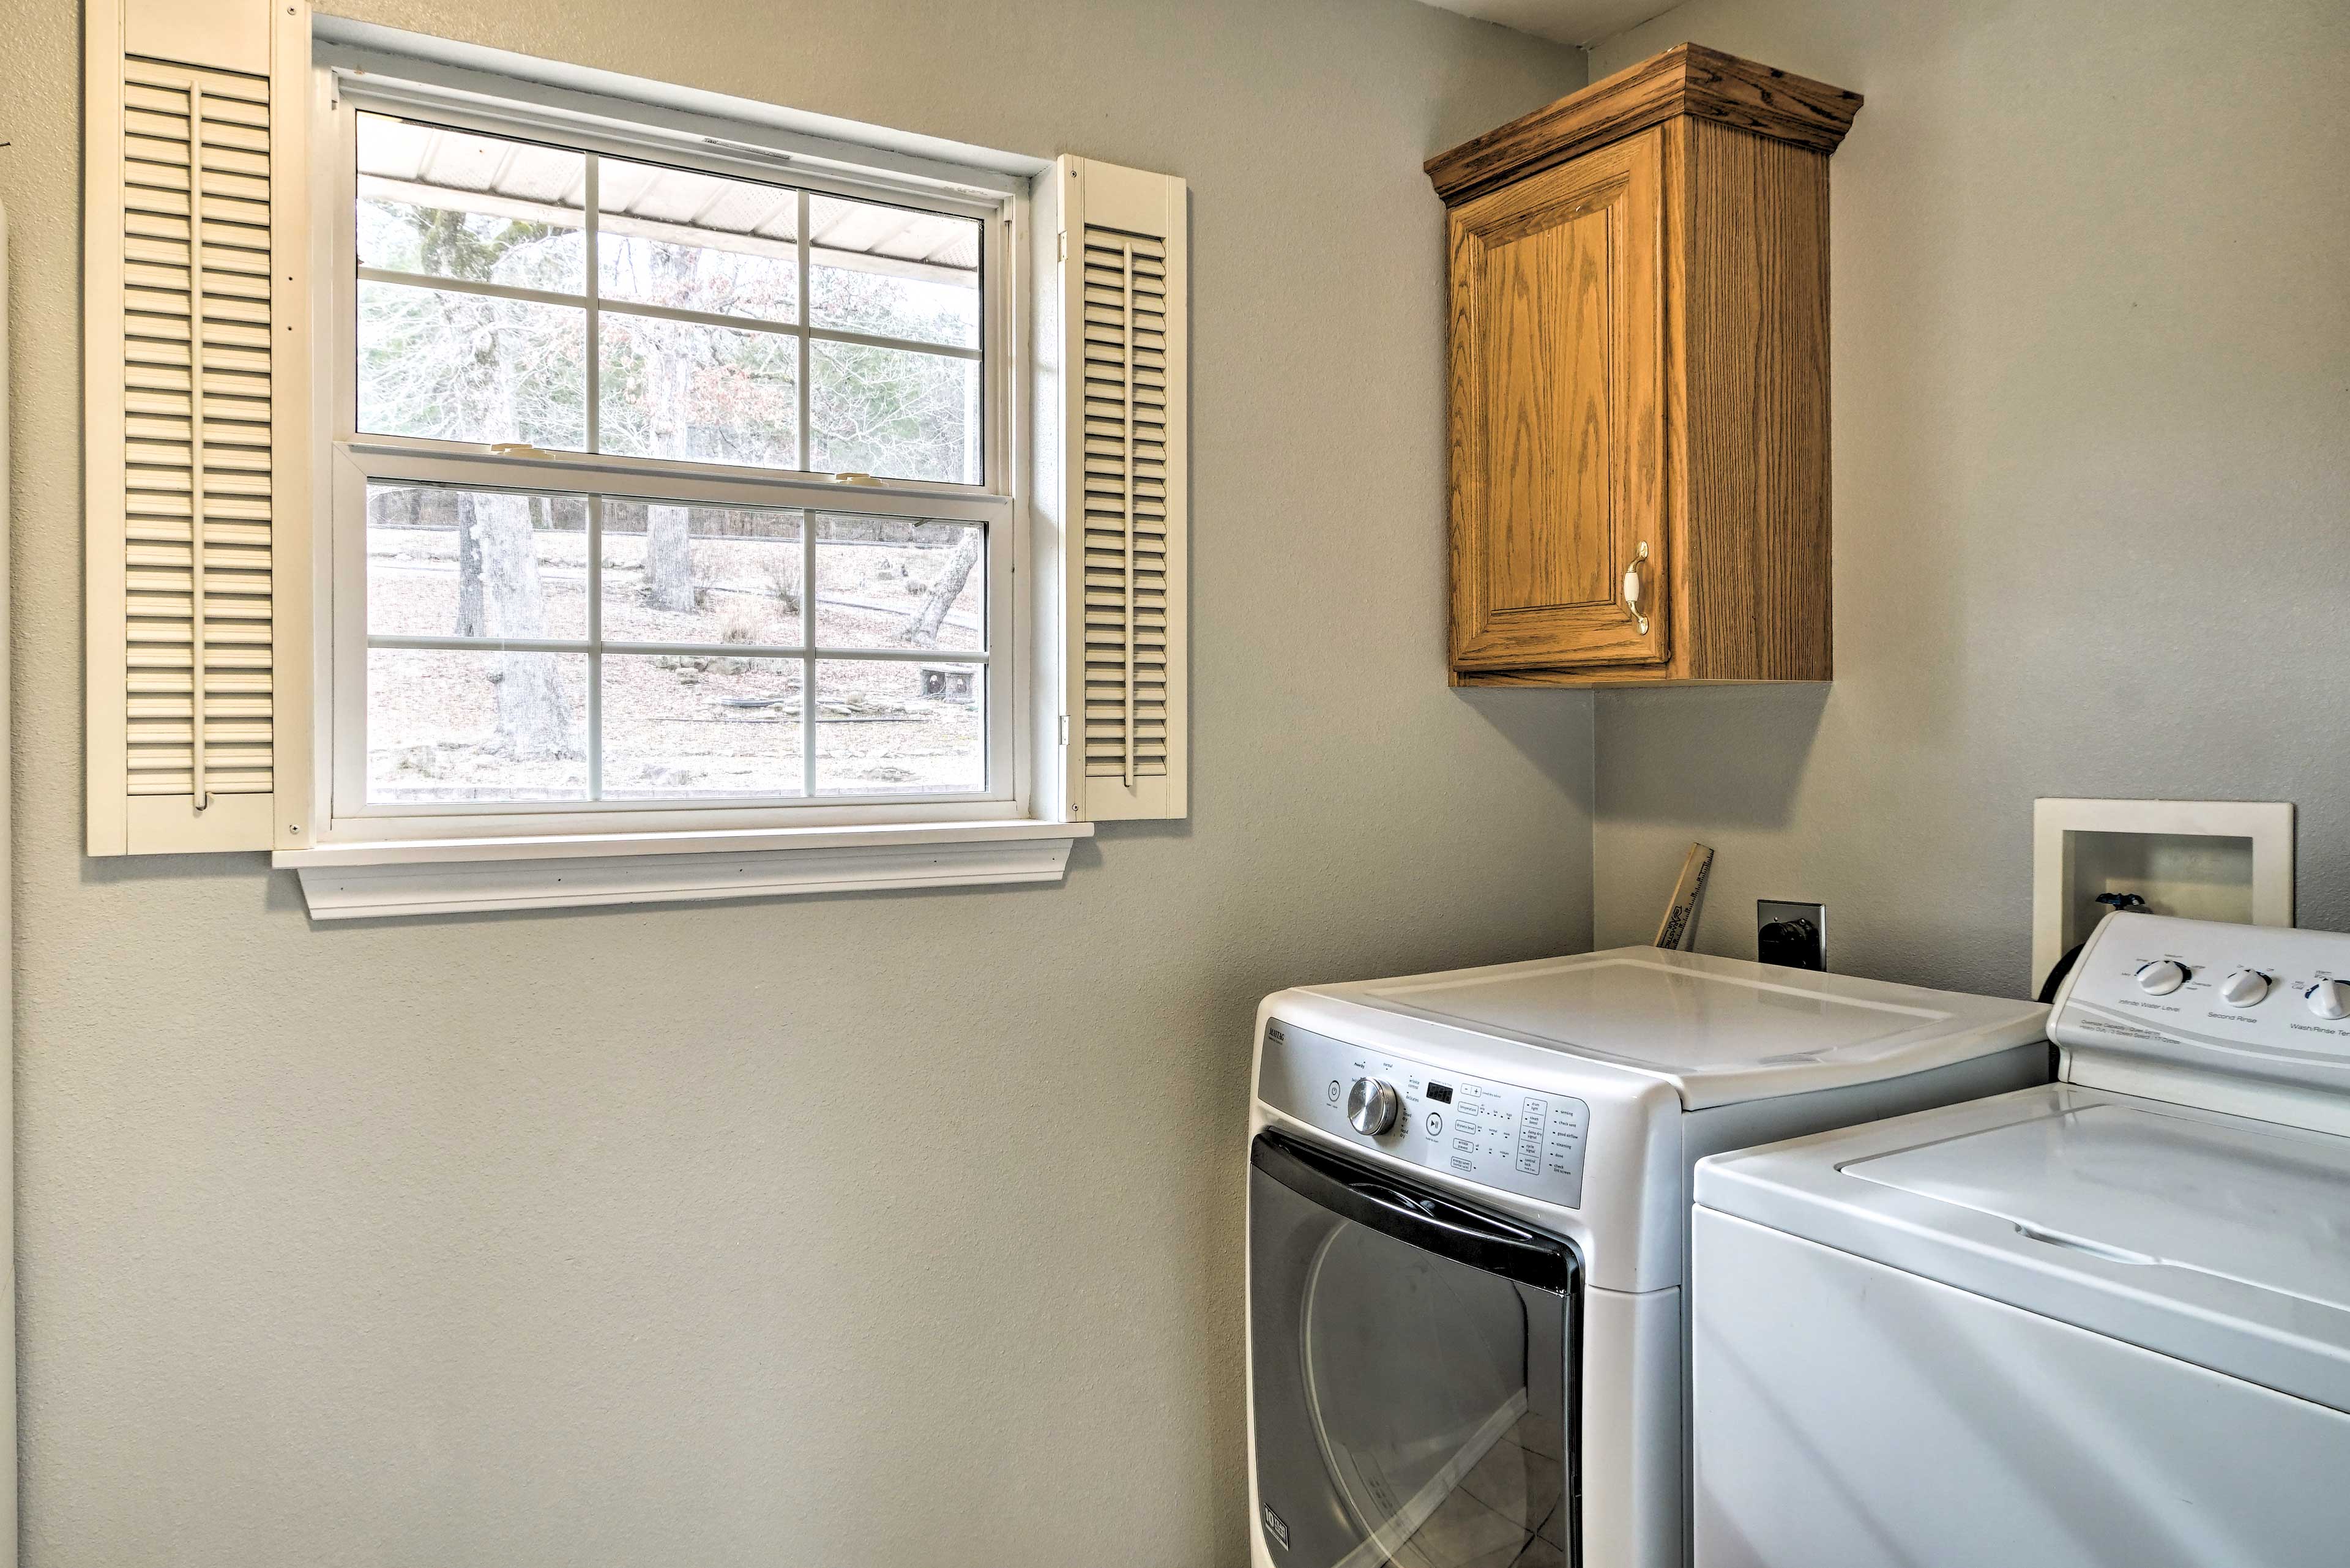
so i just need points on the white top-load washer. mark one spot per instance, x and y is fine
(1468, 1232)
(2102, 1322)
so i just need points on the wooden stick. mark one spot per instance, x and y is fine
(1679, 930)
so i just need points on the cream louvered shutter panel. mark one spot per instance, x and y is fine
(197, 379)
(1123, 503)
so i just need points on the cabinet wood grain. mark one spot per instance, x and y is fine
(1639, 383)
(1557, 319)
(1685, 79)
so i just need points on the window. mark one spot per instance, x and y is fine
(512, 485)
(658, 486)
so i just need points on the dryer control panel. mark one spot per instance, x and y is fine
(2257, 1001)
(1528, 1141)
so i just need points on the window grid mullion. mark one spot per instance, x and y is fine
(807, 352)
(808, 517)
(436, 284)
(397, 460)
(594, 198)
(807, 640)
(594, 647)
(424, 642)
(394, 639)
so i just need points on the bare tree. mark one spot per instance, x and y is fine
(467, 367)
(668, 543)
(499, 593)
(668, 558)
(533, 711)
(922, 631)
(473, 617)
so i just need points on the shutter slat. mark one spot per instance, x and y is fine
(152, 655)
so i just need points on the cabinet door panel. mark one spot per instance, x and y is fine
(1558, 458)
(1544, 351)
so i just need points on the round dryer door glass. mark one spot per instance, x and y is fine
(1411, 1406)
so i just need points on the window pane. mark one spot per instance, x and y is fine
(679, 726)
(708, 394)
(893, 272)
(893, 414)
(700, 573)
(469, 725)
(443, 562)
(470, 368)
(900, 727)
(696, 241)
(451, 204)
(893, 582)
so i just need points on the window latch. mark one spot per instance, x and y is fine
(517, 449)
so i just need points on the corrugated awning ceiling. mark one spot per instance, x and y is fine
(682, 205)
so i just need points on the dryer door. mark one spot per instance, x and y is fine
(1410, 1361)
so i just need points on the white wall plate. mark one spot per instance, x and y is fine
(2201, 859)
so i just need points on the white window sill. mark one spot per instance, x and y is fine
(440, 876)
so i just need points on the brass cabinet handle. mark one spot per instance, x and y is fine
(1632, 588)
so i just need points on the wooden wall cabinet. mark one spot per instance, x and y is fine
(1639, 380)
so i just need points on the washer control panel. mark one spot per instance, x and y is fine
(1528, 1141)
(2262, 1001)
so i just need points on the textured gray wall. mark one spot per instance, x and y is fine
(2092, 361)
(892, 1230)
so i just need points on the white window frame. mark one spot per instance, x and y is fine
(351, 832)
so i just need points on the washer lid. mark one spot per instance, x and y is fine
(2261, 1206)
(2214, 1238)
(1718, 1030)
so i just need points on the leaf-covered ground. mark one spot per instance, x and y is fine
(681, 726)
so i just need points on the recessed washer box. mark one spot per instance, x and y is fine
(2228, 860)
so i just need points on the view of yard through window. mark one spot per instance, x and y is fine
(529, 646)
(670, 650)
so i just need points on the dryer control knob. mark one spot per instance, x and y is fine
(2161, 977)
(1371, 1106)
(2245, 988)
(2329, 999)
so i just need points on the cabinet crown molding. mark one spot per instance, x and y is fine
(1685, 79)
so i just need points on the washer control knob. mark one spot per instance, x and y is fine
(2329, 997)
(1371, 1106)
(2161, 977)
(2245, 988)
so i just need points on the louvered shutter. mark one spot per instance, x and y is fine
(1122, 504)
(196, 335)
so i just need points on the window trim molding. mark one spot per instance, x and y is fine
(766, 130)
(473, 876)
(1020, 662)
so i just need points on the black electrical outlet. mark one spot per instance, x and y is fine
(1795, 936)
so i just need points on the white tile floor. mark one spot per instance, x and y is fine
(1506, 1512)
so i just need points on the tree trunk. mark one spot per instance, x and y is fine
(471, 619)
(668, 558)
(668, 550)
(533, 711)
(923, 630)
